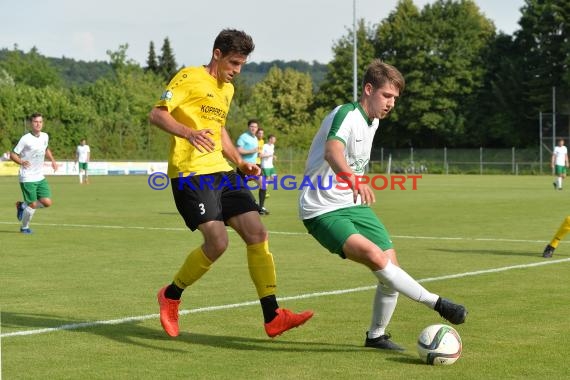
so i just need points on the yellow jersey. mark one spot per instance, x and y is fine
(260, 144)
(196, 99)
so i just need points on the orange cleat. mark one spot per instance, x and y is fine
(168, 313)
(286, 320)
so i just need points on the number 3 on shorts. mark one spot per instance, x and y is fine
(202, 208)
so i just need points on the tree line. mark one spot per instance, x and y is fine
(467, 85)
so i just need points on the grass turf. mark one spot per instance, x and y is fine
(103, 250)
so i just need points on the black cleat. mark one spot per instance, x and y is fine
(453, 312)
(383, 342)
(263, 211)
(548, 251)
(555, 186)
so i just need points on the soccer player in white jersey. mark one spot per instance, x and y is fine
(82, 157)
(267, 169)
(559, 163)
(30, 153)
(340, 217)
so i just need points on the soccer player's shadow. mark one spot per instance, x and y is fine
(500, 252)
(408, 359)
(132, 333)
(264, 344)
(125, 332)
(11, 231)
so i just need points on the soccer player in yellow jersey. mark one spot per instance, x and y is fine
(207, 192)
(262, 193)
(260, 142)
(559, 235)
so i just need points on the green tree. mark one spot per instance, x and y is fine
(397, 40)
(78, 73)
(120, 60)
(441, 53)
(337, 87)
(30, 68)
(502, 120)
(544, 42)
(281, 101)
(166, 62)
(5, 78)
(66, 113)
(122, 105)
(151, 61)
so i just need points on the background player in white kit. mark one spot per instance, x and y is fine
(267, 169)
(559, 163)
(30, 153)
(82, 157)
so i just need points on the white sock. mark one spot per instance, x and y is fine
(80, 177)
(396, 278)
(559, 182)
(27, 216)
(385, 301)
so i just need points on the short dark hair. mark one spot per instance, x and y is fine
(34, 115)
(251, 121)
(234, 41)
(379, 73)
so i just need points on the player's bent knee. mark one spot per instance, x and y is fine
(216, 248)
(261, 235)
(255, 234)
(391, 254)
(46, 202)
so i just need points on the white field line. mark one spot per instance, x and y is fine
(273, 232)
(75, 326)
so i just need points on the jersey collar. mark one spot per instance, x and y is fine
(363, 113)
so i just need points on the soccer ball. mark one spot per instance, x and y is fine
(439, 345)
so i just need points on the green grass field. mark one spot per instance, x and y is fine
(78, 295)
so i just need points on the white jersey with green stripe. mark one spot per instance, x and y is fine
(32, 149)
(350, 125)
(560, 153)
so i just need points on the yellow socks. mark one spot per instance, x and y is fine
(194, 267)
(562, 231)
(259, 260)
(262, 269)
